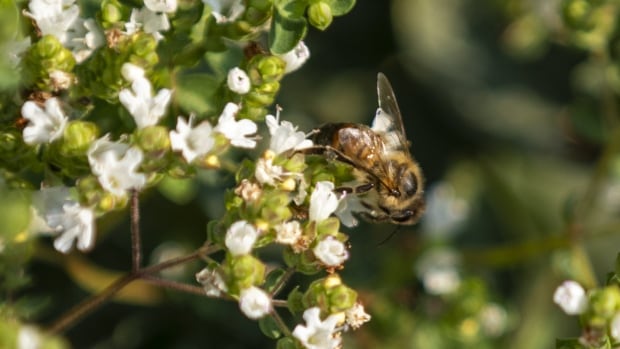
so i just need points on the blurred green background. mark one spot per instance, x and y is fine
(508, 119)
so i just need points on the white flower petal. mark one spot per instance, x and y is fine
(161, 5)
(318, 334)
(296, 57)
(254, 302)
(323, 201)
(571, 297)
(192, 142)
(44, 125)
(240, 238)
(331, 252)
(238, 81)
(239, 133)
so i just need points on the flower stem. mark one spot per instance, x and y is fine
(287, 275)
(136, 244)
(281, 325)
(86, 307)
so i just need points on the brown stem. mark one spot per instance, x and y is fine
(280, 303)
(87, 306)
(174, 285)
(136, 244)
(84, 308)
(276, 317)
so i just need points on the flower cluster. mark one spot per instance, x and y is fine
(598, 309)
(95, 125)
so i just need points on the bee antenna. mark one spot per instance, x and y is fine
(389, 236)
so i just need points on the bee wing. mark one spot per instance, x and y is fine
(388, 121)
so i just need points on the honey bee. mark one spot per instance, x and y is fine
(391, 184)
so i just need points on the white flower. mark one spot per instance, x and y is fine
(60, 18)
(77, 224)
(323, 201)
(45, 125)
(296, 57)
(54, 17)
(356, 316)
(437, 270)
(493, 320)
(266, 172)
(192, 141)
(115, 164)
(614, 327)
(236, 131)
(161, 5)
(288, 233)
(150, 21)
(571, 297)
(28, 338)
(212, 282)
(318, 334)
(284, 136)
(139, 101)
(331, 251)
(55, 212)
(238, 81)
(84, 38)
(225, 10)
(254, 302)
(240, 238)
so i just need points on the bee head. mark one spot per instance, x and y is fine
(409, 215)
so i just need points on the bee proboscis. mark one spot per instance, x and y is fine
(390, 184)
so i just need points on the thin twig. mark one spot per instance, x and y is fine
(174, 285)
(287, 275)
(84, 308)
(281, 325)
(280, 303)
(136, 244)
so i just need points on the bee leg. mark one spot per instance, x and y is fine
(343, 191)
(330, 153)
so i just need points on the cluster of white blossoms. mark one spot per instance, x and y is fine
(573, 299)
(61, 18)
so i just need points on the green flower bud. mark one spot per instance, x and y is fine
(252, 112)
(320, 15)
(304, 262)
(257, 99)
(112, 12)
(15, 155)
(262, 5)
(275, 207)
(265, 69)
(44, 58)
(341, 298)
(243, 271)
(153, 139)
(77, 138)
(269, 88)
(604, 304)
(576, 13)
(329, 294)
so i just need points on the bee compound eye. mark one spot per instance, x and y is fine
(409, 184)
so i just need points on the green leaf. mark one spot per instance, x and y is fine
(197, 93)
(273, 279)
(340, 7)
(286, 32)
(291, 8)
(295, 301)
(269, 327)
(221, 62)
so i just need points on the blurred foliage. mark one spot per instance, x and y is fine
(511, 107)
